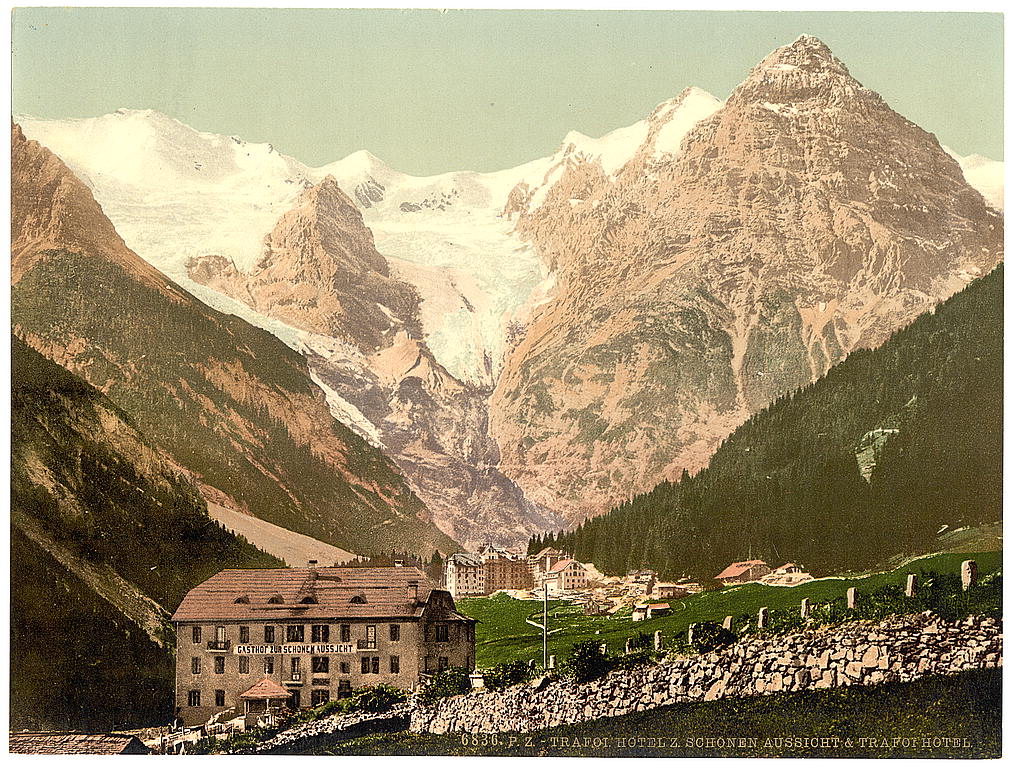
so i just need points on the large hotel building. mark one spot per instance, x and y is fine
(314, 633)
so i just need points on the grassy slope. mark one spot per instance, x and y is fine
(502, 633)
(964, 706)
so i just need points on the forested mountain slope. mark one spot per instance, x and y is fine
(107, 537)
(889, 449)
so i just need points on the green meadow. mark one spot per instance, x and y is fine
(503, 634)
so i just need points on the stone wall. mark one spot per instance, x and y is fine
(862, 652)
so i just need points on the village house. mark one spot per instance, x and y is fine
(648, 610)
(491, 570)
(541, 564)
(464, 574)
(787, 575)
(254, 639)
(666, 590)
(745, 571)
(566, 575)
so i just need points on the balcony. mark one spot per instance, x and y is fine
(218, 645)
(295, 677)
(366, 645)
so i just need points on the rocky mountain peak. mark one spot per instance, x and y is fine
(805, 69)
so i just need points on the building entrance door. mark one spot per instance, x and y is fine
(294, 698)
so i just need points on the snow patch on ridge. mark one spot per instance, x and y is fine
(346, 413)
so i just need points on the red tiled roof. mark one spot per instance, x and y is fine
(659, 605)
(63, 744)
(737, 569)
(787, 565)
(385, 591)
(561, 565)
(265, 689)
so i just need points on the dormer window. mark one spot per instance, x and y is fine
(308, 599)
(358, 599)
(275, 599)
(242, 599)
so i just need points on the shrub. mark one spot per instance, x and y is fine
(445, 683)
(508, 674)
(637, 658)
(587, 662)
(708, 636)
(375, 699)
(781, 621)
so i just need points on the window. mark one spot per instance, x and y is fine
(442, 633)
(243, 665)
(242, 599)
(197, 666)
(365, 665)
(294, 698)
(345, 667)
(275, 599)
(218, 664)
(344, 689)
(243, 634)
(321, 665)
(221, 634)
(358, 599)
(296, 633)
(346, 634)
(396, 632)
(394, 665)
(375, 664)
(218, 698)
(371, 636)
(442, 663)
(268, 665)
(197, 635)
(320, 696)
(193, 698)
(426, 633)
(268, 634)
(321, 633)
(296, 668)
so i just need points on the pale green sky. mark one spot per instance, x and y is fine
(484, 90)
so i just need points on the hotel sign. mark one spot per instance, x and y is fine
(295, 648)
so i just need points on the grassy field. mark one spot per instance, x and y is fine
(502, 632)
(936, 717)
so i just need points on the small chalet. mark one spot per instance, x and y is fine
(787, 575)
(745, 571)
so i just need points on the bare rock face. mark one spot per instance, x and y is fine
(321, 273)
(803, 220)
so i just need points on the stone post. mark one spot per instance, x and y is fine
(762, 617)
(727, 623)
(476, 680)
(911, 590)
(629, 645)
(604, 648)
(851, 598)
(805, 608)
(968, 574)
(689, 633)
(532, 664)
(657, 640)
(552, 662)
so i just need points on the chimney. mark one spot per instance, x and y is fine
(312, 568)
(412, 592)
(399, 564)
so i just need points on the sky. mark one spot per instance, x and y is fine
(430, 91)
